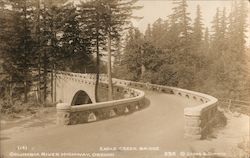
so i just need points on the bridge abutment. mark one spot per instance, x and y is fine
(199, 124)
(63, 113)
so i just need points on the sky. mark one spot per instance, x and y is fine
(154, 9)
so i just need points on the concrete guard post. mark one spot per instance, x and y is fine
(63, 113)
(199, 121)
(192, 127)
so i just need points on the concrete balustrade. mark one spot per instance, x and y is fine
(98, 111)
(68, 115)
(199, 120)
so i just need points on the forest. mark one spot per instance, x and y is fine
(38, 37)
(180, 52)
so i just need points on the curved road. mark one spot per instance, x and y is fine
(160, 125)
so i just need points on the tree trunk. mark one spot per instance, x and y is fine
(52, 85)
(25, 89)
(10, 90)
(39, 79)
(143, 69)
(45, 71)
(97, 60)
(25, 52)
(110, 86)
(45, 62)
(97, 67)
(39, 52)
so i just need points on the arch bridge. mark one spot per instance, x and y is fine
(77, 104)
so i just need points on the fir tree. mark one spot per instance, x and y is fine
(183, 19)
(215, 37)
(148, 33)
(132, 60)
(157, 31)
(115, 17)
(197, 36)
(206, 42)
(92, 16)
(19, 57)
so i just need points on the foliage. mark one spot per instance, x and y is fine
(42, 35)
(38, 36)
(173, 52)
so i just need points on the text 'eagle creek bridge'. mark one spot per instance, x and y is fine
(75, 94)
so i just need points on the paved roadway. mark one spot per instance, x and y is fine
(159, 125)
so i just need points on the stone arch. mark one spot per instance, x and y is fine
(81, 97)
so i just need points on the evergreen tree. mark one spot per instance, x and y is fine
(61, 40)
(172, 41)
(183, 19)
(185, 59)
(132, 57)
(18, 50)
(29, 39)
(228, 48)
(117, 16)
(165, 34)
(223, 24)
(92, 16)
(216, 37)
(113, 18)
(236, 66)
(197, 35)
(74, 43)
(48, 42)
(197, 47)
(157, 31)
(6, 30)
(206, 42)
(148, 33)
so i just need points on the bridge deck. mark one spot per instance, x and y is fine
(159, 125)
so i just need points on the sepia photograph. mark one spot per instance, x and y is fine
(124, 79)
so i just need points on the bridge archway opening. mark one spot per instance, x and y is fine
(81, 97)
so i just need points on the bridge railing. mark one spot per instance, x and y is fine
(198, 119)
(85, 113)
